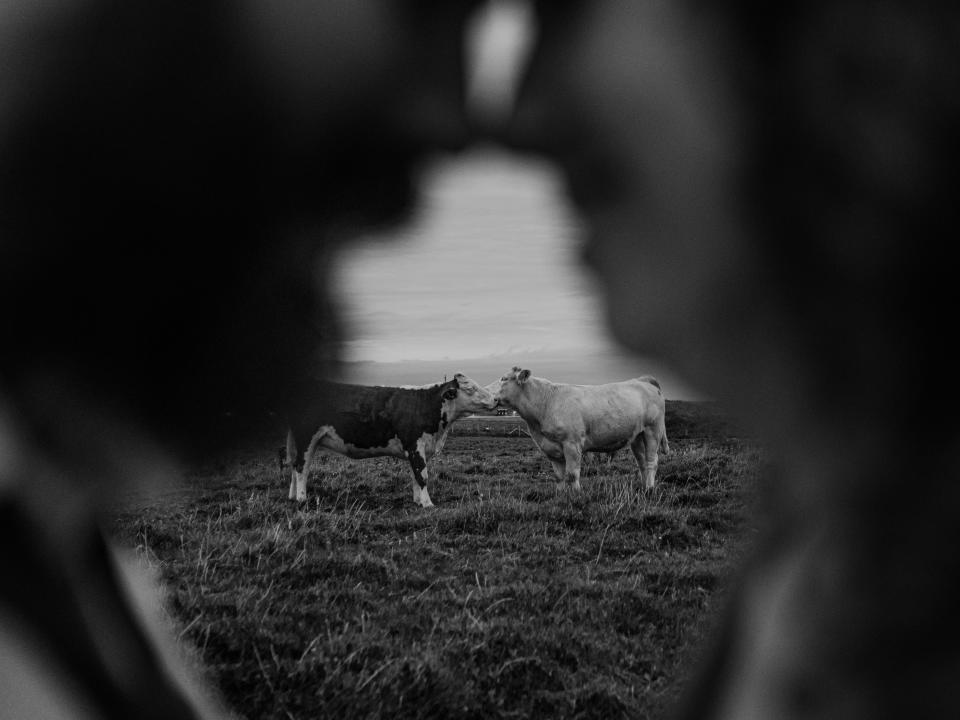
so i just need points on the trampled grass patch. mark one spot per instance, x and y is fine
(512, 598)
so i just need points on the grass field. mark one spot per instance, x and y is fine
(508, 600)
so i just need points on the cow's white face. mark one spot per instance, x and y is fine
(510, 387)
(468, 397)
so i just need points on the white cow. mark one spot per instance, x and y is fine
(567, 420)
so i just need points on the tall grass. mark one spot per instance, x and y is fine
(512, 598)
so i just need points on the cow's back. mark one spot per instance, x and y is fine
(357, 414)
(372, 416)
(639, 395)
(608, 416)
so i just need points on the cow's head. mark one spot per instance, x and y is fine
(510, 387)
(465, 396)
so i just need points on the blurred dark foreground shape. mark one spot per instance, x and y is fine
(770, 194)
(769, 191)
(171, 178)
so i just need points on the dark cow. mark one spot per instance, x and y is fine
(363, 422)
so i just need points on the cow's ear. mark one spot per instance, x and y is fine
(522, 376)
(449, 393)
(465, 383)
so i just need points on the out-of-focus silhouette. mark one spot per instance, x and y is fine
(172, 177)
(769, 194)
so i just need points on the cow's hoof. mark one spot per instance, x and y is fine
(422, 498)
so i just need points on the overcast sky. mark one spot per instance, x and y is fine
(485, 278)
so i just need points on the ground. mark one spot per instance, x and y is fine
(509, 599)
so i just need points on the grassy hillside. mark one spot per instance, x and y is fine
(509, 599)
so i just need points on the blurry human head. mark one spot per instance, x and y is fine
(768, 190)
(749, 177)
(629, 100)
(172, 176)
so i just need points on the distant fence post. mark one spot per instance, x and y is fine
(491, 426)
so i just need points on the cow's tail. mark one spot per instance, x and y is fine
(664, 445)
(290, 450)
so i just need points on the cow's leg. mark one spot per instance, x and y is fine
(645, 447)
(304, 470)
(300, 466)
(573, 456)
(639, 450)
(292, 494)
(651, 439)
(292, 460)
(559, 468)
(298, 478)
(418, 463)
(301, 461)
(298, 482)
(425, 500)
(554, 453)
